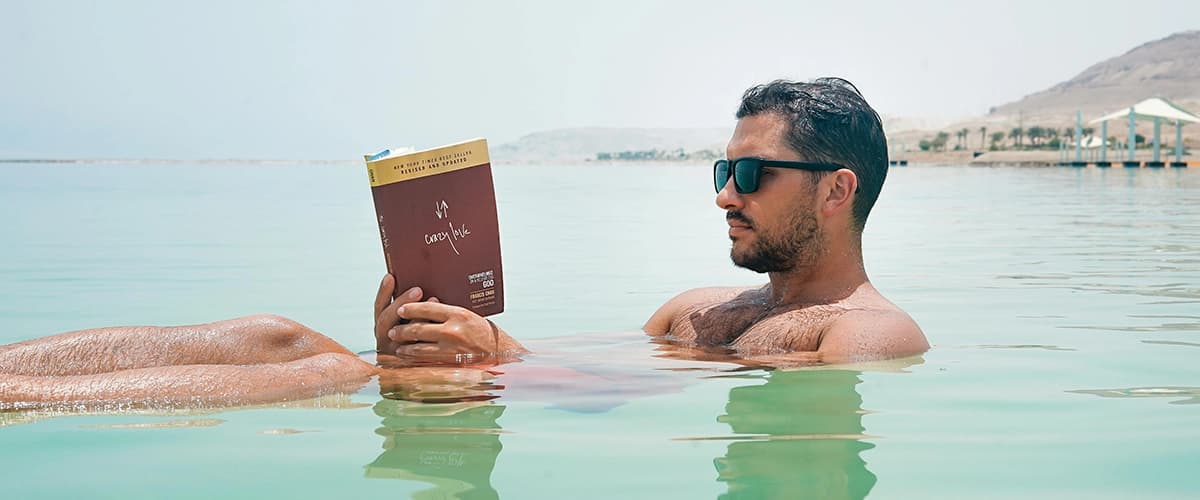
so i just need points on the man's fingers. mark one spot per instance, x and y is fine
(429, 311)
(384, 296)
(426, 353)
(419, 349)
(416, 332)
(389, 317)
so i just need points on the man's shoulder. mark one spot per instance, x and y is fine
(887, 316)
(660, 322)
(711, 294)
(878, 331)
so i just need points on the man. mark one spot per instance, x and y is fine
(806, 164)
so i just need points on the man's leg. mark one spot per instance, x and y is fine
(189, 386)
(255, 359)
(248, 340)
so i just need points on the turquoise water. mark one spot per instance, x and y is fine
(1063, 306)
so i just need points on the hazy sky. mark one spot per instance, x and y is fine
(307, 79)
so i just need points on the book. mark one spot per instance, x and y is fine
(436, 211)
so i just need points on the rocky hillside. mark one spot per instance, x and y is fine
(1168, 68)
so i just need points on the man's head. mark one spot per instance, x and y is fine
(786, 222)
(828, 121)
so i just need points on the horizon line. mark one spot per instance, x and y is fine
(172, 160)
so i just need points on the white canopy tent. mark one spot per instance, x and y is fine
(1149, 109)
(1155, 109)
(1089, 144)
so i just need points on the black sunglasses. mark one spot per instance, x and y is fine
(746, 171)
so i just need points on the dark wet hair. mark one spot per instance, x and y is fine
(828, 121)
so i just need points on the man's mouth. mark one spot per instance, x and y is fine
(736, 219)
(738, 223)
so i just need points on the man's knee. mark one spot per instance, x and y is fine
(275, 332)
(339, 366)
(274, 323)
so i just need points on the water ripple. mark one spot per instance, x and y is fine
(1189, 395)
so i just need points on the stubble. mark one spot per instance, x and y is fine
(796, 245)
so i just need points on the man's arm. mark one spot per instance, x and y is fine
(867, 335)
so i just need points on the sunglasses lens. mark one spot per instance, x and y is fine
(745, 174)
(721, 174)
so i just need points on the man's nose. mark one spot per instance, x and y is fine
(728, 197)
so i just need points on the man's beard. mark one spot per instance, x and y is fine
(798, 246)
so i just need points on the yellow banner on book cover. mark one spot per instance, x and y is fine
(435, 161)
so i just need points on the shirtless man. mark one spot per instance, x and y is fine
(807, 162)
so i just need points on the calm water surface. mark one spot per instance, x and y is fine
(1063, 306)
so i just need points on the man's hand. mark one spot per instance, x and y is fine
(385, 313)
(409, 328)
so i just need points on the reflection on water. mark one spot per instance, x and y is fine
(799, 435)
(450, 446)
(794, 433)
(168, 424)
(327, 402)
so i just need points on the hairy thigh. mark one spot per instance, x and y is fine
(190, 386)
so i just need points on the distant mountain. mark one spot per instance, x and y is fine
(1168, 68)
(580, 144)
(570, 145)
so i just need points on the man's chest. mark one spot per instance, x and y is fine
(750, 325)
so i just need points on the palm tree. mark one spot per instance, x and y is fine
(939, 142)
(1035, 132)
(996, 138)
(982, 136)
(1015, 134)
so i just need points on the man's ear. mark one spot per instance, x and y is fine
(842, 185)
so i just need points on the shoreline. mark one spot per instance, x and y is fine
(917, 158)
(1040, 158)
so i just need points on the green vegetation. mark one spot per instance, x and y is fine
(677, 154)
(1035, 137)
(1016, 135)
(997, 141)
(961, 137)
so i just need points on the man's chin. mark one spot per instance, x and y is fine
(749, 262)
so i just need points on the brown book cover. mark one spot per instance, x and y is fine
(437, 218)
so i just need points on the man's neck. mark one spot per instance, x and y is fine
(835, 276)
